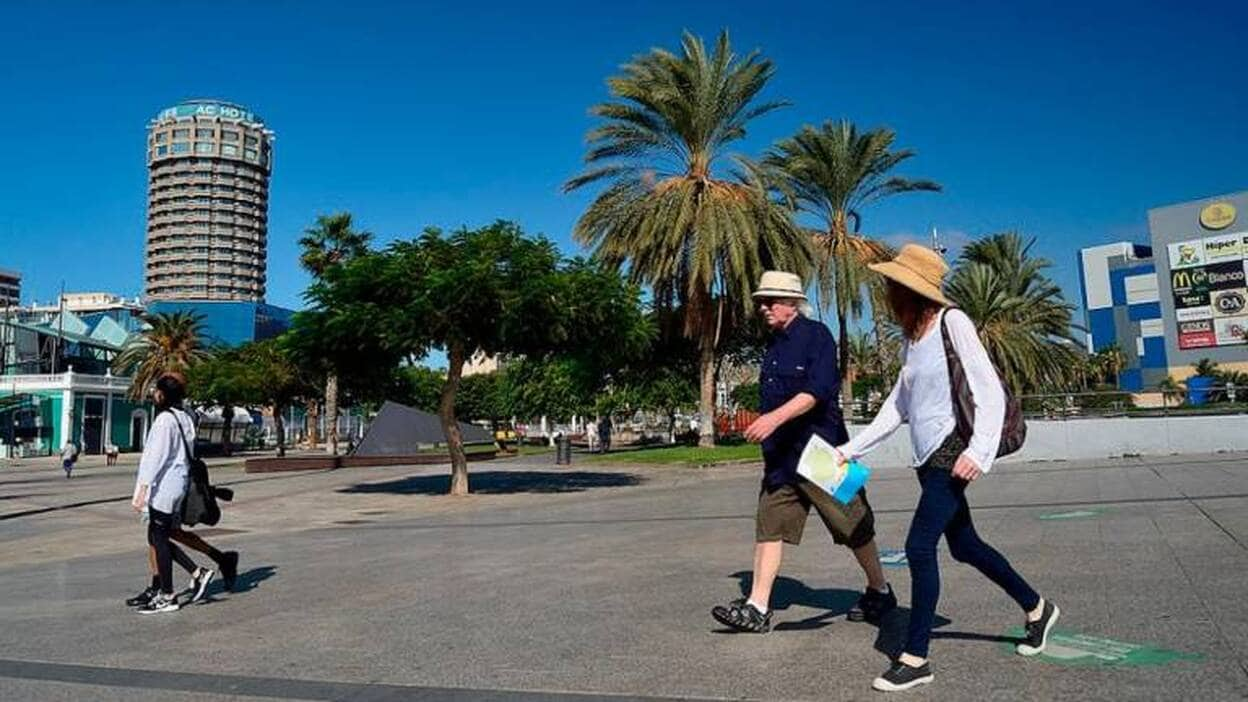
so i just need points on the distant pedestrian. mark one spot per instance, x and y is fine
(110, 454)
(945, 461)
(604, 434)
(69, 456)
(591, 435)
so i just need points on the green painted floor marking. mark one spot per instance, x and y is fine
(1071, 648)
(1076, 514)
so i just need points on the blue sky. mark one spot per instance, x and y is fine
(1065, 124)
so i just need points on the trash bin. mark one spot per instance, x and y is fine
(563, 451)
(1198, 387)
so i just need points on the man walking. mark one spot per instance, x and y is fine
(799, 386)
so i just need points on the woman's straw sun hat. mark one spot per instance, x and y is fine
(918, 268)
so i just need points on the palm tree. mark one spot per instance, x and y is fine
(1023, 320)
(171, 342)
(1111, 360)
(326, 245)
(832, 172)
(698, 240)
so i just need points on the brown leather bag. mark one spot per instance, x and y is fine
(1013, 429)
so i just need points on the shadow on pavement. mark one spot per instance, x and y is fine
(29, 494)
(248, 580)
(501, 483)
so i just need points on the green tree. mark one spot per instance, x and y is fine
(417, 386)
(224, 379)
(700, 241)
(172, 342)
(831, 173)
(748, 396)
(275, 381)
(480, 397)
(1023, 320)
(491, 290)
(331, 242)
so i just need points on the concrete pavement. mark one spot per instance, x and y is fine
(595, 583)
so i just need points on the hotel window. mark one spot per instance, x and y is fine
(251, 141)
(227, 135)
(250, 154)
(203, 147)
(181, 133)
(203, 133)
(229, 150)
(181, 147)
(161, 136)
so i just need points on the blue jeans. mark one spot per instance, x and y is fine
(943, 510)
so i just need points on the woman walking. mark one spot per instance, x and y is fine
(161, 486)
(946, 463)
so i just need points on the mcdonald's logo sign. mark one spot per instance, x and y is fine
(1189, 280)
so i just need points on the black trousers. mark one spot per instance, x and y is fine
(159, 526)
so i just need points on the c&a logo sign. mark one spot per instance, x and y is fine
(1229, 303)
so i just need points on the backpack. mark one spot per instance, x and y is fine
(200, 504)
(1013, 428)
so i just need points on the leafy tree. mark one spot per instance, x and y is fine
(171, 342)
(417, 386)
(491, 290)
(748, 396)
(276, 381)
(832, 172)
(226, 380)
(1023, 320)
(699, 240)
(481, 397)
(331, 242)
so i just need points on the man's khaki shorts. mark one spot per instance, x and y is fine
(782, 515)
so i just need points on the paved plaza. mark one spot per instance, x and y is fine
(595, 583)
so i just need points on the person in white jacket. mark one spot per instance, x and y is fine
(945, 462)
(161, 485)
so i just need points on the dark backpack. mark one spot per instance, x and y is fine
(200, 504)
(1013, 429)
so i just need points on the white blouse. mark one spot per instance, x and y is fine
(921, 397)
(163, 466)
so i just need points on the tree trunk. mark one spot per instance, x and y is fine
(706, 400)
(450, 428)
(847, 388)
(312, 418)
(227, 430)
(331, 414)
(279, 426)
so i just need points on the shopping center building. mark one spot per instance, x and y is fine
(1176, 300)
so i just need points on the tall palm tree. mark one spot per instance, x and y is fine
(331, 242)
(171, 342)
(1023, 320)
(699, 240)
(832, 172)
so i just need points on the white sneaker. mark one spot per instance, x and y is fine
(160, 603)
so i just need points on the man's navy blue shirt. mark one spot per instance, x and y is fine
(800, 358)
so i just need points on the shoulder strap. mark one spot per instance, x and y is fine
(186, 449)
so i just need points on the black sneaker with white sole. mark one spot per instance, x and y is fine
(873, 605)
(742, 616)
(199, 584)
(142, 598)
(903, 677)
(1038, 631)
(160, 603)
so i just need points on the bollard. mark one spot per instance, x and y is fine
(563, 451)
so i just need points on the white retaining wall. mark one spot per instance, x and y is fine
(1076, 439)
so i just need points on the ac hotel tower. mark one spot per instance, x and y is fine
(207, 203)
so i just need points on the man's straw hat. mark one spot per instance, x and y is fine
(918, 268)
(779, 284)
